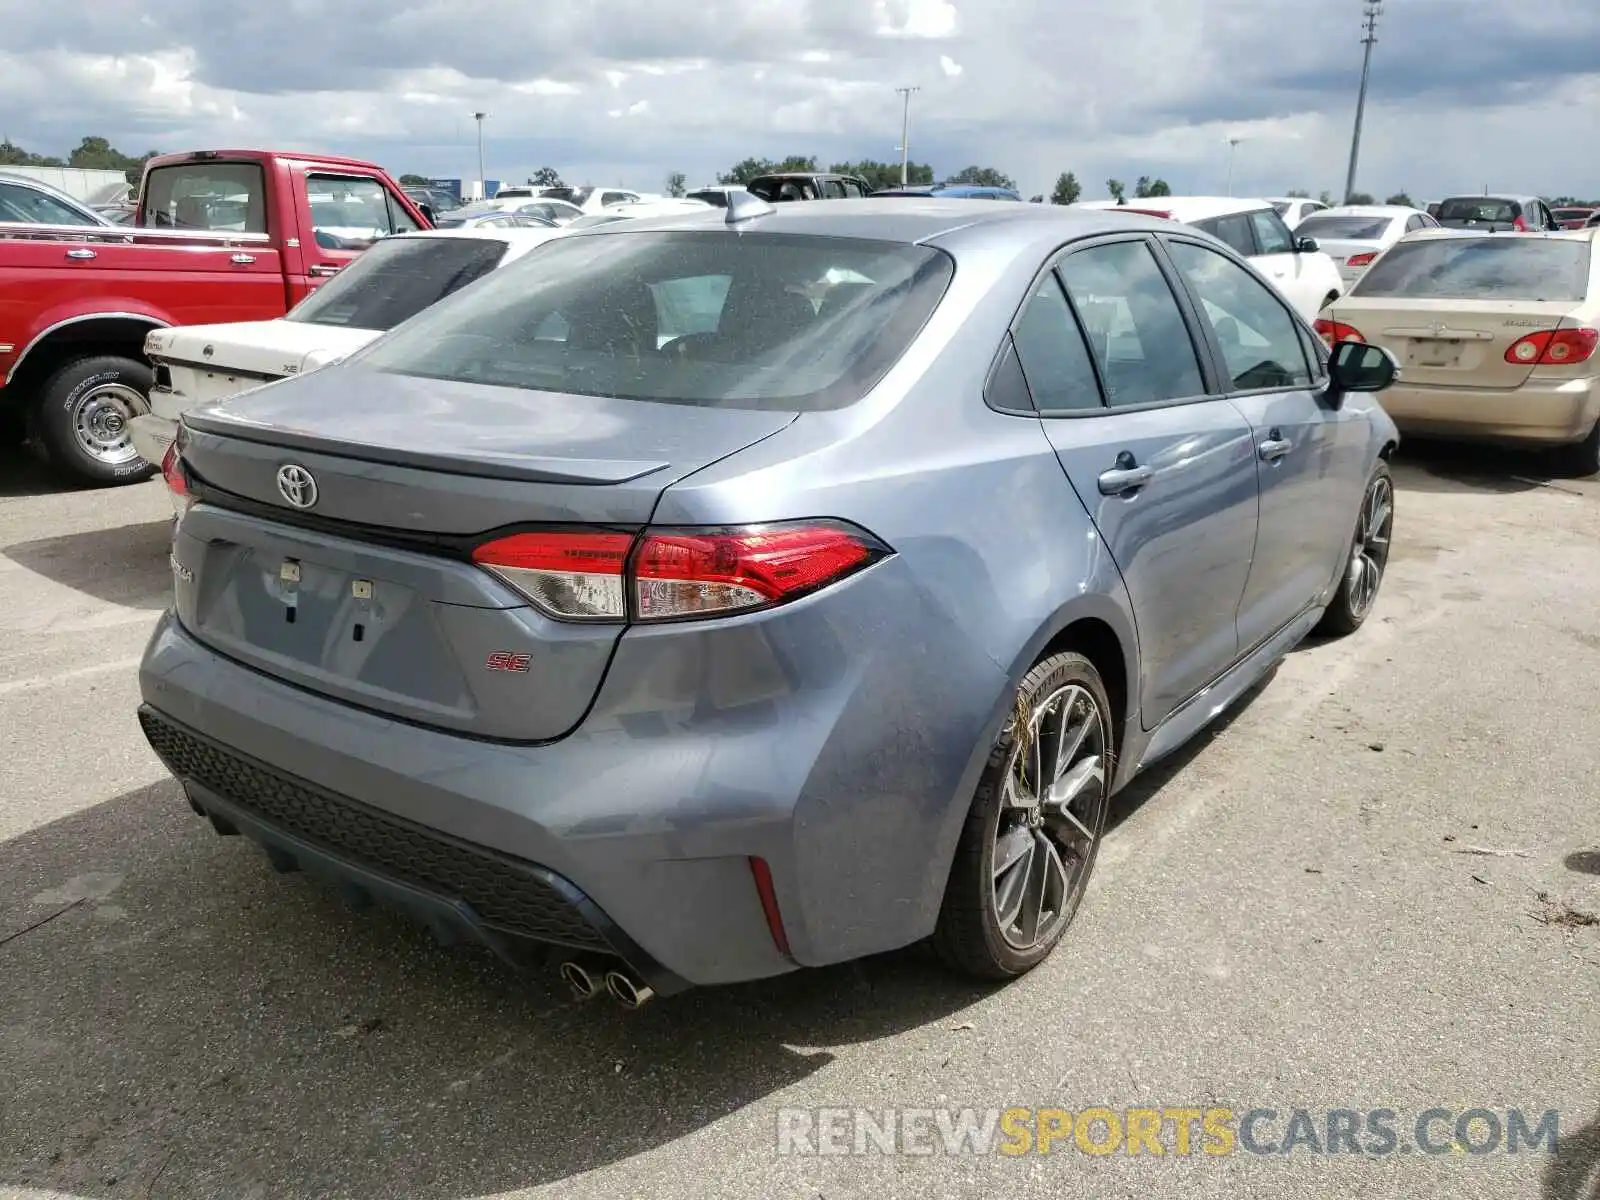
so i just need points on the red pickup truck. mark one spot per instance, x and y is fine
(220, 235)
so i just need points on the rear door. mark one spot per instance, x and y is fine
(1166, 471)
(1309, 457)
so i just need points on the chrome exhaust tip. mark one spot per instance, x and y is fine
(584, 982)
(627, 991)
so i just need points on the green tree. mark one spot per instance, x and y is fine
(880, 175)
(545, 177)
(981, 177)
(1359, 198)
(413, 181)
(752, 168)
(1118, 190)
(1298, 194)
(677, 183)
(1325, 197)
(1066, 190)
(1036, 199)
(1402, 199)
(1147, 187)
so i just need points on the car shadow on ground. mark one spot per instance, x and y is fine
(125, 564)
(177, 1021)
(1431, 466)
(22, 474)
(1573, 1172)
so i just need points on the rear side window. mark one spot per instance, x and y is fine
(1233, 231)
(1481, 268)
(225, 196)
(394, 281)
(1054, 358)
(749, 321)
(1136, 329)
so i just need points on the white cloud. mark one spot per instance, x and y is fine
(949, 66)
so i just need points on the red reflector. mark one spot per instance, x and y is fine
(687, 573)
(1554, 347)
(573, 574)
(1334, 332)
(1361, 260)
(769, 904)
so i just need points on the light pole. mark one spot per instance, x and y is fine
(1371, 10)
(1233, 144)
(905, 131)
(483, 183)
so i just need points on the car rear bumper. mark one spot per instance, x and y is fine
(1540, 412)
(151, 435)
(634, 835)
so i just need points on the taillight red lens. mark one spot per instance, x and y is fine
(1361, 260)
(172, 472)
(690, 573)
(576, 575)
(588, 575)
(1554, 347)
(1334, 332)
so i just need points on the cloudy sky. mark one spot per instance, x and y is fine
(1465, 93)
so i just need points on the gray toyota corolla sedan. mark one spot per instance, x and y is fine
(715, 596)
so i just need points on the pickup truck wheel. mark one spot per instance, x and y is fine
(83, 413)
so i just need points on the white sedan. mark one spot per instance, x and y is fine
(1355, 234)
(392, 282)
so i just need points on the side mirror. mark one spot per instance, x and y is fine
(1305, 245)
(1360, 367)
(427, 211)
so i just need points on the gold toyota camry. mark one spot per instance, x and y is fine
(1495, 334)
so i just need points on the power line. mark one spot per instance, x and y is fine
(905, 130)
(1371, 10)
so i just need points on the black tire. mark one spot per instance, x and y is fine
(1583, 458)
(968, 937)
(56, 414)
(1347, 612)
(13, 428)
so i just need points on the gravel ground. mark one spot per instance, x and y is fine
(1366, 889)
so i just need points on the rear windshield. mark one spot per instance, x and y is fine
(1478, 208)
(224, 196)
(1481, 268)
(395, 280)
(1344, 227)
(743, 320)
(1281, 207)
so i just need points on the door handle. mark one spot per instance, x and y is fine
(1121, 480)
(323, 269)
(243, 260)
(1274, 447)
(83, 254)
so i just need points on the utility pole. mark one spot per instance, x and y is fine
(1233, 144)
(1371, 10)
(905, 131)
(483, 182)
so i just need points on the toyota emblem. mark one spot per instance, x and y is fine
(297, 486)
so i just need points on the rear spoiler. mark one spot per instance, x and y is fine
(1165, 214)
(27, 231)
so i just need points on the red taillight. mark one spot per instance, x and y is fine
(573, 574)
(583, 575)
(1334, 332)
(1554, 347)
(1361, 260)
(177, 482)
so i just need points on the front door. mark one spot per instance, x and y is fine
(1164, 470)
(1300, 445)
(345, 214)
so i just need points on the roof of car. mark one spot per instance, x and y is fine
(1185, 208)
(1366, 210)
(909, 219)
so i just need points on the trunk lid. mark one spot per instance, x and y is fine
(1341, 249)
(1453, 343)
(205, 364)
(369, 594)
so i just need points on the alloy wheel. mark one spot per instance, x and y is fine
(1369, 554)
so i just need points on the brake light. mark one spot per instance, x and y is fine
(1361, 260)
(177, 482)
(1334, 332)
(1554, 347)
(673, 574)
(576, 575)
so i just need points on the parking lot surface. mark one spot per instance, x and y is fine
(1367, 889)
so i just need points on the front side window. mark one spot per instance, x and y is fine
(1054, 358)
(396, 280)
(1136, 329)
(756, 321)
(1272, 235)
(19, 203)
(1259, 339)
(1480, 268)
(228, 197)
(347, 212)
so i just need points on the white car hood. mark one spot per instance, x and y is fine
(269, 349)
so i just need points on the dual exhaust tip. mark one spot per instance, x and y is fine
(588, 979)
